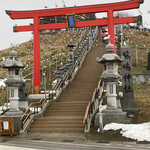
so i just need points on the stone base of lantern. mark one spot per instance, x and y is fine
(114, 115)
(129, 105)
(16, 115)
(110, 115)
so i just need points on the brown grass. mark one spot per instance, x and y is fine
(51, 44)
(142, 95)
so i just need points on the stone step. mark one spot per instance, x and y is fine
(64, 113)
(62, 122)
(77, 108)
(57, 125)
(68, 104)
(62, 109)
(61, 118)
(57, 130)
(67, 113)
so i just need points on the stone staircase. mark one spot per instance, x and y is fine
(66, 115)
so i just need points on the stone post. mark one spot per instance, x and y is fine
(128, 103)
(148, 66)
(71, 52)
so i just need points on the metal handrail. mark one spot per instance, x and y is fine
(57, 85)
(91, 102)
(28, 112)
(86, 113)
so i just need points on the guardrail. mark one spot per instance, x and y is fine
(34, 107)
(93, 106)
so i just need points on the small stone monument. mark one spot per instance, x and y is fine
(14, 82)
(110, 77)
(128, 103)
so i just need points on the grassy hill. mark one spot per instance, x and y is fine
(141, 41)
(50, 45)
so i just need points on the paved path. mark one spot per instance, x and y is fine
(45, 145)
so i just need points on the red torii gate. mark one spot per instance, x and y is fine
(36, 27)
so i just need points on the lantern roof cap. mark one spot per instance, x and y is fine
(109, 56)
(109, 48)
(13, 54)
(12, 61)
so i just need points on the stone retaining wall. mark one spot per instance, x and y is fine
(141, 78)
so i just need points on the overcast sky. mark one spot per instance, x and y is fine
(8, 37)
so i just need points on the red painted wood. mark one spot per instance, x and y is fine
(99, 29)
(97, 22)
(132, 4)
(36, 52)
(111, 30)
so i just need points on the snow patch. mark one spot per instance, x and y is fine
(2, 84)
(102, 107)
(4, 108)
(139, 132)
(36, 109)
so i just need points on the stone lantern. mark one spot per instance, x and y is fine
(110, 74)
(110, 77)
(14, 81)
(71, 53)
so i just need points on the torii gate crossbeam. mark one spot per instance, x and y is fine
(36, 27)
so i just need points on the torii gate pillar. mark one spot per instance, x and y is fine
(36, 56)
(111, 30)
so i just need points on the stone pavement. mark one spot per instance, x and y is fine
(64, 142)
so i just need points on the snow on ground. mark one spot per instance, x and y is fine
(2, 84)
(139, 132)
(102, 107)
(3, 108)
(36, 109)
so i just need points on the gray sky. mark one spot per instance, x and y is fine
(8, 37)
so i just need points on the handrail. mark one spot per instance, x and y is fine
(91, 102)
(86, 113)
(73, 68)
(93, 97)
(57, 85)
(99, 83)
(88, 107)
(32, 106)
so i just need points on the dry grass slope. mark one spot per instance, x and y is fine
(51, 44)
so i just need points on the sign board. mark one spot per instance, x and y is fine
(71, 21)
(6, 125)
